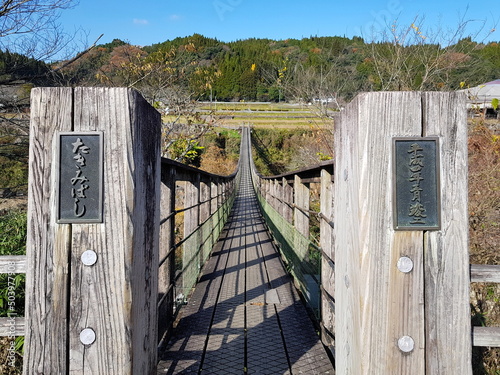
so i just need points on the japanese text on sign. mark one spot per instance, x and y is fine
(78, 182)
(80, 177)
(416, 165)
(416, 193)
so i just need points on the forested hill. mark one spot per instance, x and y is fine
(270, 70)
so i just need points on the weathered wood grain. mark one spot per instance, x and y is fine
(166, 271)
(347, 283)
(301, 208)
(288, 199)
(484, 273)
(376, 304)
(327, 243)
(486, 336)
(13, 264)
(214, 191)
(10, 327)
(190, 262)
(279, 196)
(204, 200)
(48, 244)
(123, 282)
(116, 297)
(447, 283)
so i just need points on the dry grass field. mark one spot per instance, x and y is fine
(484, 232)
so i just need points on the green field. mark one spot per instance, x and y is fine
(260, 115)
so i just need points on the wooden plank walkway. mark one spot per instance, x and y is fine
(245, 316)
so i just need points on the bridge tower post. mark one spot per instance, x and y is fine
(401, 235)
(93, 229)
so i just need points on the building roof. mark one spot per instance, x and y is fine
(482, 95)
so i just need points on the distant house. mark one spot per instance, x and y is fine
(324, 101)
(480, 98)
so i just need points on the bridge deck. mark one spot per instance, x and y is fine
(245, 316)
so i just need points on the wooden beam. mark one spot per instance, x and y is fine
(486, 336)
(12, 326)
(13, 264)
(484, 273)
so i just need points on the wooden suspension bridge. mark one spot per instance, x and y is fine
(111, 291)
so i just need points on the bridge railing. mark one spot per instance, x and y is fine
(298, 208)
(195, 206)
(485, 336)
(295, 225)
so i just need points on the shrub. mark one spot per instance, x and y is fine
(13, 227)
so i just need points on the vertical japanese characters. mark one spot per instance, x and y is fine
(416, 165)
(79, 182)
(80, 178)
(416, 184)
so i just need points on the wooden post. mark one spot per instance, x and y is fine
(204, 236)
(190, 261)
(278, 196)
(288, 198)
(93, 313)
(381, 323)
(327, 243)
(301, 209)
(213, 209)
(220, 213)
(166, 272)
(272, 194)
(214, 188)
(266, 187)
(205, 187)
(219, 193)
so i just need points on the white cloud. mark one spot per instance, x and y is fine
(175, 17)
(138, 21)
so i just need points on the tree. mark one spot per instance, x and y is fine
(30, 28)
(166, 78)
(415, 57)
(29, 35)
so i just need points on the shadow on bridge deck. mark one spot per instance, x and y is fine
(245, 316)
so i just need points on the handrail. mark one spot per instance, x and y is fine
(285, 204)
(195, 207)
(193, 170)
(12, 325)
(312, 171)
(485, 273)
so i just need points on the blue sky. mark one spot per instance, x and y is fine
(146, 22)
